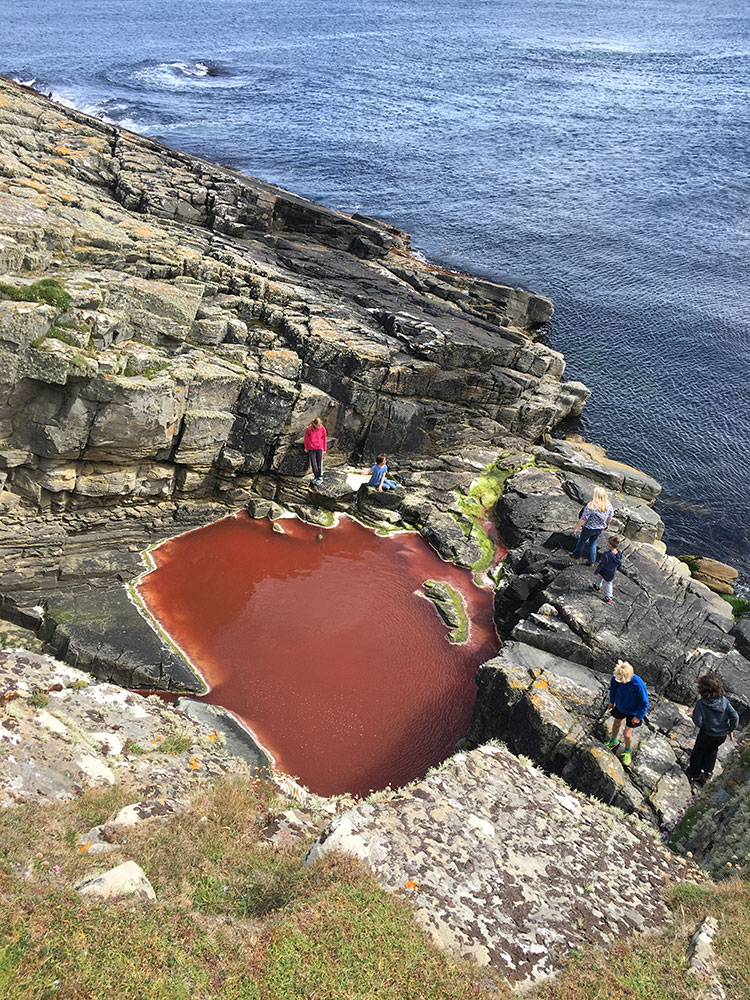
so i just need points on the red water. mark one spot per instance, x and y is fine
(317, 640)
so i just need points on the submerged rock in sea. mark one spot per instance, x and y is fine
(509, 867)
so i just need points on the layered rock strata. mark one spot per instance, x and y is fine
(169, 327)
(206, 317)
(167, 330)
(546, 693)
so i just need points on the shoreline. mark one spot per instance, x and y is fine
(416, 257)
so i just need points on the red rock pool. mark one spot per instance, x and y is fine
(319, 642)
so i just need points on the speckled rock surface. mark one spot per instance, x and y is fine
(509, 867)
(545, 694)
(127, 879)
(61, 732)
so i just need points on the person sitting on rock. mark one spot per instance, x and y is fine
(716, 718)
(628, 700)
(377, 475)
(315, 445)
(607, 566)
(595, 517)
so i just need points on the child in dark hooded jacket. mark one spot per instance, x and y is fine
(607, 566)
(717, 719)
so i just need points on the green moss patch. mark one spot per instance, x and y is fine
(740, 606)
(48, 290)
(478, 506)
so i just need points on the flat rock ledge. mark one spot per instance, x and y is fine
(508, 867)
(61, 732)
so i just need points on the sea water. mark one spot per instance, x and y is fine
(592, 151)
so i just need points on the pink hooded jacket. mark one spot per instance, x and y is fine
(315, 438)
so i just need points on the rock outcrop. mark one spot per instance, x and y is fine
(61, 732)
(127, 879)
(716, 575)
(508, 867)
(168, 328)
(545, 694)
(201, 318)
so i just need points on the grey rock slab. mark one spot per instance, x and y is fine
(61, 731)
(464, 846)
(102, 631)
(293, 825)
(127, 879)
(237, 740)
(555, 711)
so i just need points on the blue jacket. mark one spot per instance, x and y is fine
(715, 716)
(630, 698)
(608, 564)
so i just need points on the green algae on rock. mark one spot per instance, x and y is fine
(451, 607)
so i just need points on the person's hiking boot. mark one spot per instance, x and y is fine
(612, 742)
(607, 600)
(597, 589)
(627, 758)
(571, 556)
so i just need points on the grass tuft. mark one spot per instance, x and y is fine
(740, 606)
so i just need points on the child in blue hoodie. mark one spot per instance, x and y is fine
(607, 566)
(628, 700)
(716, 717)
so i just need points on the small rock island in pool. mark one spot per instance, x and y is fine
(322, 642)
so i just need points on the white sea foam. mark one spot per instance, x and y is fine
(178, 75)
(24, 83)
(189, 69)
(101, 110)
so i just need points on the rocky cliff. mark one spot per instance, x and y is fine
(168, 328)
(202, 318)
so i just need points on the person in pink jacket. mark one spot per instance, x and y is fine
(315, 445)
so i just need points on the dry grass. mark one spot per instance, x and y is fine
(238, 918)
(650, 969)
(730, 902)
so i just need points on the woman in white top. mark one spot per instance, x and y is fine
(595, 517)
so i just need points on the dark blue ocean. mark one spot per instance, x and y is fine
(596, 152)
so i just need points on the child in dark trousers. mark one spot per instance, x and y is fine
(607, 566)
(717, 719)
